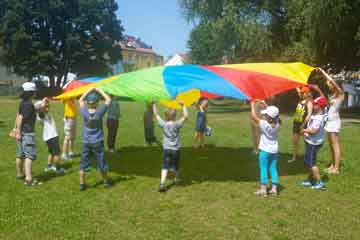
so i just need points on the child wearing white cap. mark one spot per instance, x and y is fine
(25, 135)
(268, 147)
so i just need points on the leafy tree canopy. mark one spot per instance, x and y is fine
(313, 31)
(55, 37)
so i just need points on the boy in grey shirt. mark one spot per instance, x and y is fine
(171, 142)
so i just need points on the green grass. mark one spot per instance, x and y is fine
(215, 200)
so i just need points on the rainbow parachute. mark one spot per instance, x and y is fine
(186, 82)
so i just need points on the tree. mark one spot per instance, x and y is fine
(55, 37)
(313, 31)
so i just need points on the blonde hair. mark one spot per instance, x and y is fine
(170, 114)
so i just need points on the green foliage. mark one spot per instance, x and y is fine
(316, 32)
(54, 37)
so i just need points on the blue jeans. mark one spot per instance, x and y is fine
(268, 161)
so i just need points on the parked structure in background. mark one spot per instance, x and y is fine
(9, 83)
(350, 82)
(177, 59)
(136, 55)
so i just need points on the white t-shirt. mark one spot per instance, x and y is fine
(316, 122)
(334, 109)
(49, 130)
(268, 138)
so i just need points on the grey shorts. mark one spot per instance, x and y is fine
(26, 147)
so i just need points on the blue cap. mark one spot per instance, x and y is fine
(92, 98)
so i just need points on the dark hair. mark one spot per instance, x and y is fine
(26, 95)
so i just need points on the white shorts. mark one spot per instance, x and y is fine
(69, 128)
(333, 126)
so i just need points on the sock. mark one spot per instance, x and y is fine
(274, 187)
(263, 188)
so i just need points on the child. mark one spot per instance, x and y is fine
(69, 129)
(50, 136)
(301, 117)
(25, 135)
(333, 124)
(201, 123)
(171, 142)
(314, 138)
(112, 123)
(93, 136)
(149, 125)
(268, 147)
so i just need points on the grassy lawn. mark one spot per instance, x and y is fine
(214, 201)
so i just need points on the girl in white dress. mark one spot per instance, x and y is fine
(333, 124)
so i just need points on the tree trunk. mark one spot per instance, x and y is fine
(52, 82)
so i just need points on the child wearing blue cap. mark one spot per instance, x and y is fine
(93, 135)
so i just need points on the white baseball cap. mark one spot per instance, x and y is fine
(271, 111)
(29, 87)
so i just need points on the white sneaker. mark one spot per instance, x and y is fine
(71, 154)
(48, 169)
(65, 157)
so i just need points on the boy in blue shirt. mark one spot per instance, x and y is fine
(93, 135)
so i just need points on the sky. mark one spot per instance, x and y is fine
(158, 23)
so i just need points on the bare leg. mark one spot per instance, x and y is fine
(19, 167)
(28, 170)
(316, 173)
(66, 147)
(202, 140)
(82, 177)
(164, 173)
(336, 151)
(331, 165)
(71, 145)
(196, 140)
(50, 159)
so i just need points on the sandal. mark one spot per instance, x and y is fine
(32, 183)
(334, 171)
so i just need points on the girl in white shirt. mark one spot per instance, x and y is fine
(268, 147)
(333, 123)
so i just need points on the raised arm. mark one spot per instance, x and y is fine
(156, 114)
(254, 116)
(82, 98)
(106, 97)
(337, 89)
(317, 89)
(185, 114)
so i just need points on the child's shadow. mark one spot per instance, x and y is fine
(199, 165)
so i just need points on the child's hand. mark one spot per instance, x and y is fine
(181, 103)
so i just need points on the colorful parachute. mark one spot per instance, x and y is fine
(185, 82)
(82, 82)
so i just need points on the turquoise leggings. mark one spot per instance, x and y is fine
(268, 161)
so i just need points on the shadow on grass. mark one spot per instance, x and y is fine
(198, 165)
